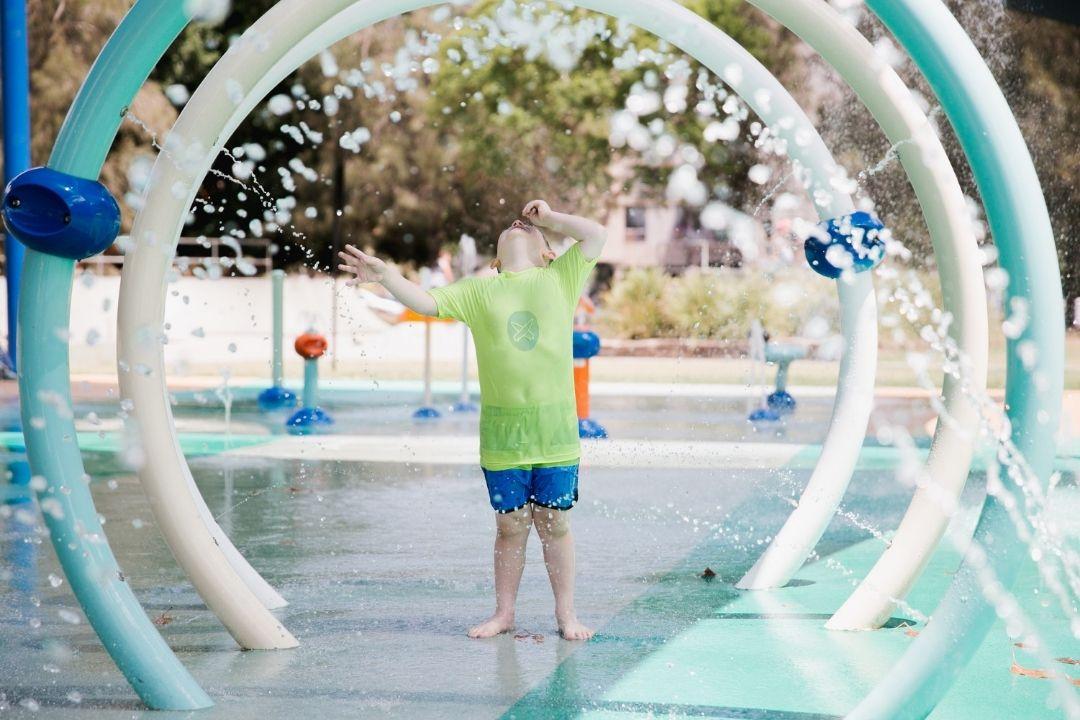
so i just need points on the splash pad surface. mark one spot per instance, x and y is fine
(388, 559)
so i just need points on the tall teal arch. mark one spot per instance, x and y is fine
(45, 378)
(1020, 225)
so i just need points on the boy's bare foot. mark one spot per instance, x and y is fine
(494, 625)
(572, 629)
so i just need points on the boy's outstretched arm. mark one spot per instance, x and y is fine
(368, 268)
(591, 234)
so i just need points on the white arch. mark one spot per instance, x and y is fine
(960, 270)
(250, 66)
(288, 34)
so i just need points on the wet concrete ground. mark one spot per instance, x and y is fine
(386, 565)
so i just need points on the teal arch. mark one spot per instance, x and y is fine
(132, 641)
(1018, 219)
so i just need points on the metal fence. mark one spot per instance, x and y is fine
(255, 257)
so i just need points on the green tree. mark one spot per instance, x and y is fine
(1042, 80)
(517, 116)
(466, 146)
(1033, 61)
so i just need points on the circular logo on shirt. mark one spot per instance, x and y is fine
(523, 329)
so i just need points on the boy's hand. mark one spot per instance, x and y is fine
(591, 235)
(366, 268)
(537, 212)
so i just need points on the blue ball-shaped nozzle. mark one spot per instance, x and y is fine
(590, 429)
(307, 421)
(853, 242)
(426, 413)
(60, 214)
(764, 415)
(276, 398)
(781, 402)
(586, 344)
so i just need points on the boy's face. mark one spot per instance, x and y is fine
(523, 239)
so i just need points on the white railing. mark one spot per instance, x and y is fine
(256, 255)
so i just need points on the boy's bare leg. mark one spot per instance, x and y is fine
(511, 537)
(553, 527)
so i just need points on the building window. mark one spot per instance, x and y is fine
(635, 222)
(689, 222)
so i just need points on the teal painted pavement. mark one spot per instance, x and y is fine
(385, 565)
(193, 444)
(695, 648)
(887, 457)
(725, 653)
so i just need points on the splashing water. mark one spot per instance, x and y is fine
(224, 393)
(544, 34)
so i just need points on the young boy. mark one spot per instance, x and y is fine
(522, 323)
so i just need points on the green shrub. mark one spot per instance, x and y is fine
(634, 307)
(718, 304)
(790, 299)
(721, 303)
(707, 305)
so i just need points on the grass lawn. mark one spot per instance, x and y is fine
(893, 369)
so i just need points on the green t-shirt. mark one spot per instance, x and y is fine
(522, 324)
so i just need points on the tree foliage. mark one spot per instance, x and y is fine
(1034, 61)
(442, 168)
(519, 116)
(471, 142)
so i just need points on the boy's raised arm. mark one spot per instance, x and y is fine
(591, 234)
(368, 268)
